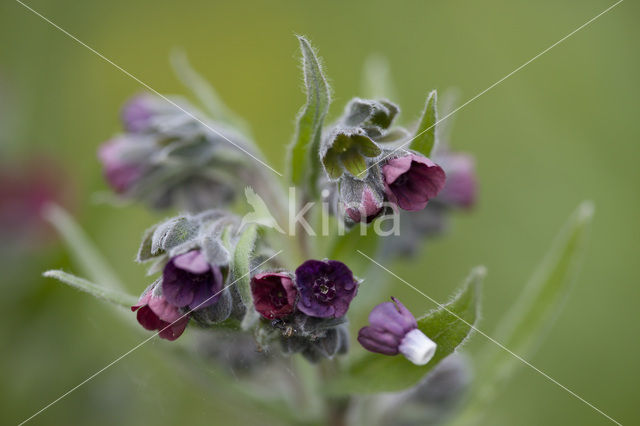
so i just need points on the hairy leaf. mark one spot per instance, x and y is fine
(448, 326)
(306, 143)
(531, 316)
(425, 136)
(241, 264)
(82, 249)
(103, 293)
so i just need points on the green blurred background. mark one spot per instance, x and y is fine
(562, 130)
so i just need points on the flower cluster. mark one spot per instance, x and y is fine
(319, 288)
(359, 154)
(215, 268)
(170, 155)
(308, 306)
(304, 310)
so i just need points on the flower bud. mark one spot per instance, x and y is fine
(362, 200)
(460, 189)
(123, 161)
(141, 111)
(412, 180)
(154, 312)
(326, 288)
(274, 294)
(392, 330)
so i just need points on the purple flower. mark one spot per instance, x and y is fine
(392, 330)
(326, 288)
(120, 170)
(461, 186)
(188, 280)
(274, 294)
(411, 181)
(154, 312)
(138, 113)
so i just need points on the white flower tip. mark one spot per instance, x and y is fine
(417, 347)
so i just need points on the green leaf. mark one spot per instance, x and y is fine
(144, 252)
(531, 316)
(241, 264)
(306, 143)
(448, 326)
(425, 136)
(109, 295)
(82, 249)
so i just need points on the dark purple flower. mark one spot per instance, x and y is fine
(461, 186)
(392, 330)
(154, 312)
(139, 111)
(120, 169)
(326, 288)
(412, 180)
(188, 280)
(274, 294)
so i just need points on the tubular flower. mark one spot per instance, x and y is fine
(190, 281)
(154, 312)
(412, 180)
(392, 330)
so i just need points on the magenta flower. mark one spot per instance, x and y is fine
(189, 281)
(139, 112)
(274, 294)
(120, 168)
(326, 288)
(27, 189)
(154, 312)
(392, 330)
(460, 188)
(411, 181)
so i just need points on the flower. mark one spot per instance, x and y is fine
(188, 280)
(28, 189)
(154, 312)
(362, 200)
(139, 112)
(274, 294)
(122, 161)
(460, 189)
(393, 329)
(412, 180)
(326, 288)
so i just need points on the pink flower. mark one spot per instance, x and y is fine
(155, 313)
(411, 181)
